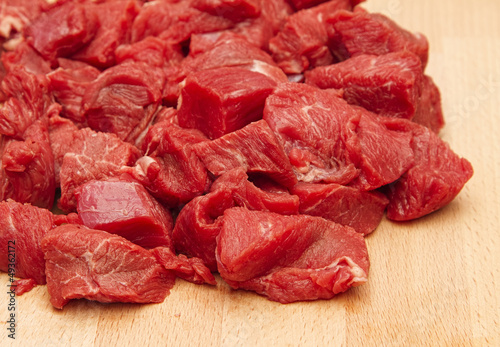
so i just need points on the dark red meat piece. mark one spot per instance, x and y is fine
(235, 10)
(124, 99)
(220, 101)
(89, 156)
(152, 51)
(349, 206)
(96, 265)
(360, 32)
(429, 111)
(25, 57)
(255, 148)
(315, 128)
(171, 171)
(189, 269)
(199, 221)
(302, 43)
(436, 178)
(300, 4)
(123, 207)
(22, 227)
(114, 23)
(61, 135)
(389, 85)
(289, 258)
(68, 85)
(62, 30)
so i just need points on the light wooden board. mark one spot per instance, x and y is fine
(433, 282)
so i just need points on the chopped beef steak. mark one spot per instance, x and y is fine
(349, 206)
(222, 100)
(15, 15)
(122, 206)
(254, 148)
(96, 265)
(429, 111)
(277, 256)
(389, 85)
(22, 227)
(301, 4)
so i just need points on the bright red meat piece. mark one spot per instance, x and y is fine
(199, 221)
(235, 10)
(15, 15)
(220, 101)
(300, 4)
(25, 57)
(289, 258)
(123, 207)
(255, 148)
(22, 227)
(96, 265)
(152, 51)
(360, 32)
(389, 85)
(349, 206)
(436, 178)
(429, 111)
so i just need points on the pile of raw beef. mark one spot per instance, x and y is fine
(258, 139)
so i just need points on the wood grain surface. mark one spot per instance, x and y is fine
(432, 282)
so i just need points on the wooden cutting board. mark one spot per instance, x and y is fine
(432, 282)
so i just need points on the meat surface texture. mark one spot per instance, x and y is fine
(22, 227)
(123, 206)
(277, 256)
(96, 265)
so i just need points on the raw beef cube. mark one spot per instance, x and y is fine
(91, 156)
(96, 265)
(189, 269)
(220, 101)
(68, 86)
(23, 285)
(316, 131)
(300, 4)
(22, 227)
(15, 15)
(25, 57)
(114, 23)
(27, 167)
(254, 148)
(122, 206)
(28, 100)
(302, 42)
(199, 221)
(175, 22)
(61, 134)
(349, 206)
(289, 258)
(436, 178)
(235, 10)
(360, 32)
(384, 154)
(124, 99)
(429, 111)
(229, 50)
(62, 30)
(152, 51)
(171, 171)
(389, 85)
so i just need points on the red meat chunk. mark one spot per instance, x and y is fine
(171, 171)
(429, 111)
(96, 265)
(254, 148)
(152, 51)
(235, 10)
(114, 23)
(199, 221)
(15, 15)
(91, 155)
(23, 285)
(302, 42)
(189, 269)
(277, 256)
(436, 178)
(68, 85)
(349, 206)
(300, 4)
(123, 207)
(124, 99)
(360, 32)
(61, 134)
(22, 227)
(62, 31)
(25, 57)
(389, 85)
(220, 101)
